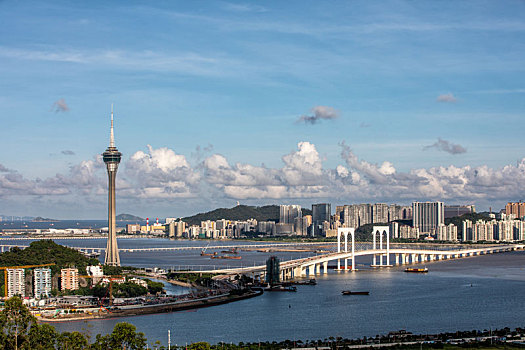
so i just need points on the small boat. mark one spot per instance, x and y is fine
(349, 292)
(226, 257)
(417, 269)
(280, 288)
(311, 282)
(203, 253)
(230, 251)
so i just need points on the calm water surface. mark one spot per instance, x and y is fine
(472, 293)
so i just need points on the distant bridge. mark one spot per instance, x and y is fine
(318, 264)
(88, 250)
(314, 265)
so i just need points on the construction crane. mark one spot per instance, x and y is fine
(111, 280)
(5, 268)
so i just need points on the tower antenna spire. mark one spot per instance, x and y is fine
(111, 135)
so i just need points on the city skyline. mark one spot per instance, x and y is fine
(260, 103)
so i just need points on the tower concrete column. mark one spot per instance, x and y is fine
(112, 159)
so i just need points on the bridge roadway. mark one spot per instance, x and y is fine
(87, 250)
(314, 265)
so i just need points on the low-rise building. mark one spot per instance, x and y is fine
(139, 281)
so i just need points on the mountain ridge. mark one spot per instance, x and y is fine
(240, 212)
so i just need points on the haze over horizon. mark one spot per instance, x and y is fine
(262, 103)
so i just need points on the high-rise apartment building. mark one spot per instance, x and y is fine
(288, 213)
(320, 213)
(356, 215)
(69, 279)
(427, 216)
(516, 208)
(447, 232)
(458, 210)
(15, 282)
(302, 225)
(42, 283)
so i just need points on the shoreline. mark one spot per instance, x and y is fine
(158, 308)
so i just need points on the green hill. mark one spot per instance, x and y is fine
(45, 252)
(128, 217)
(240, 212)
(458, 220)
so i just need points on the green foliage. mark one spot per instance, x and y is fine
(72, 341)
(155, 287)
(100, 291)
(458, 220)
(15, 323)
(112, 270)
(240, 212)
(128, 217)
(199, 346)
(201, 279)
(128, 290)
(124, 336)
(46, 252)
(42, 337)
(364, 233)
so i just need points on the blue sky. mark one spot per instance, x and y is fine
(403, 101)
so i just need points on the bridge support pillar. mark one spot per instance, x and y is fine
(297, 272)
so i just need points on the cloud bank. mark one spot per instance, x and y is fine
(160, 174)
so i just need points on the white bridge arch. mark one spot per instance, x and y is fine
(381, 230)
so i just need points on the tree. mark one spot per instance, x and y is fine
(72, 341)
(42, 337)
(124, 336)
(15, 322)
(199, 346)
(155, 287)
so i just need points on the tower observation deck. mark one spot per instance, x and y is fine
(112, 159)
